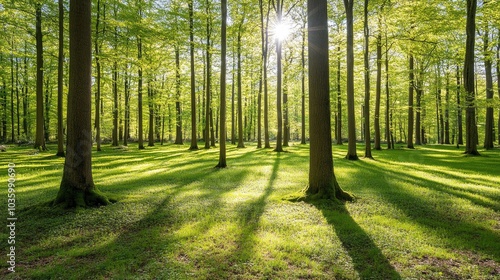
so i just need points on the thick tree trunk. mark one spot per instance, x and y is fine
(351, 119)
(39, 136)
(77, 186)
(194, 140)
(322, 181)
(60, 84)
(470, 113)
(222, 138)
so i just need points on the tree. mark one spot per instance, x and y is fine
(98, 79)
(77, 187)
(279, 89)
(39, 138)
(60, 75)
(241, 144)
(194, 141)
(470, 109)
(488, 128)
(351, 120)
(368, 148)
(222, 138)
(322, 181)
(208, 89)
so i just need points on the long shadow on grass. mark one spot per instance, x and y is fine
(459, 227)
(367, 258)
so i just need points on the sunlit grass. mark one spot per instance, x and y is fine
(427, 213)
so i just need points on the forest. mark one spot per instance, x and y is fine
(167, 139)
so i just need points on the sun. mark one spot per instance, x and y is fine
(281, 30)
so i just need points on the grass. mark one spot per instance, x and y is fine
(428, 213)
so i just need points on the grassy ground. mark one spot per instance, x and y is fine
(428, 213)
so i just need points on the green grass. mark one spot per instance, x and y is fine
(428, 213)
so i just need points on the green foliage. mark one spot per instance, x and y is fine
(428, 213)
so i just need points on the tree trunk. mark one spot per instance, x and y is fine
(388, 111)
(322, 181)
(460, 137)
(240, 105)
(39, 138)
(261, 78)
(233, 113)
(97, 124)
(470, 115)
(12, 87)
(378, 88)
(77, 187)
(194, 140)
(139, 94)
(351, 119)
(410, 103)
(488, 128)
(222, 138)
(151, 130)
(126, 135)
(447, 110)
(368, 146)
(60, 84)
(178, 116)
(208, 89)
(303, 85)
(279, 134)
(338, 121)
(498, 85)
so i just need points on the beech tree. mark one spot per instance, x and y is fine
(77, 187)
(222, 138)
(322, 181)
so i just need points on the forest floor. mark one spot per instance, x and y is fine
(428, 213)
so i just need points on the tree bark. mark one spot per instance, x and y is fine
(222, 138)
(139, 94)
(368, 146)
(194, 140)
(178, 116)
(39, 138)
(60, 84)
(279, 133)
(303, 84)
(322, 181)
(410, 103)
(460, 137)
(470, 113)
(77, 187)
(351, 119)
(488, 128)
(208, 89)
(240, 101)
(97, 124)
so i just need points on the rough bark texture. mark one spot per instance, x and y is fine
(488, 128)
(222, 138)
(240, 101)
(378, 89)
(351, 120)
(178, 116)
(470, 113)
(322, 181)
(410, 104)
(77, 187)
(368, 147)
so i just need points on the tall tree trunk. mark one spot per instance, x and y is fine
(261, 78)
(97, 124)
(4, 111)
(126, 135)
(410, 103)
(388, 111)
(460, 138)
(178, 112)
(151, 130)
(233, 113)
(322, 181)
(279, 133)
(139, 93)
(488, 128)
(39, 138)
(77, 187)
(47, 104)
(286, 122)
(470, 113)
(418, 113)
(12, 89)
(194, 140)
(498, 84)
(25, 94)
(222, 138)
(378, 87)
(303, 84)
(208, 88)
(447, 110)
(368, 146)
(351, 119)
(240, 101)
(265, 56)
(338, 121)
(60, 84)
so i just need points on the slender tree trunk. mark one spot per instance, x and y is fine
(222, 138)
(139, 94)
(279, 134)
(151, 130)
(322, 181)
(233, 113)
(12, 88)
(178, 122)
(208, 88)
(240, 101)
(488, 128)
(25, 94)
(261, 78)
(286, 122)
(97, 124)
(351, 119)
(194, 140)
(47, 104)
(303, 85)
(446, 110)
(368, 146)
(470, 115)
(77, 187)
(498, 85)
(127, 108)
(18, 102)
(378, 88)
(460, 138)
(388, 111)
(39, 138)
(115, 104)
(338, 122)
(60, 82)
(265, 56)
(410, 103)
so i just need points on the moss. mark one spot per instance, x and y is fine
(74, 197)
(334, 192)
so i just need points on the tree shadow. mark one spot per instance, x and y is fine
(367, 258)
